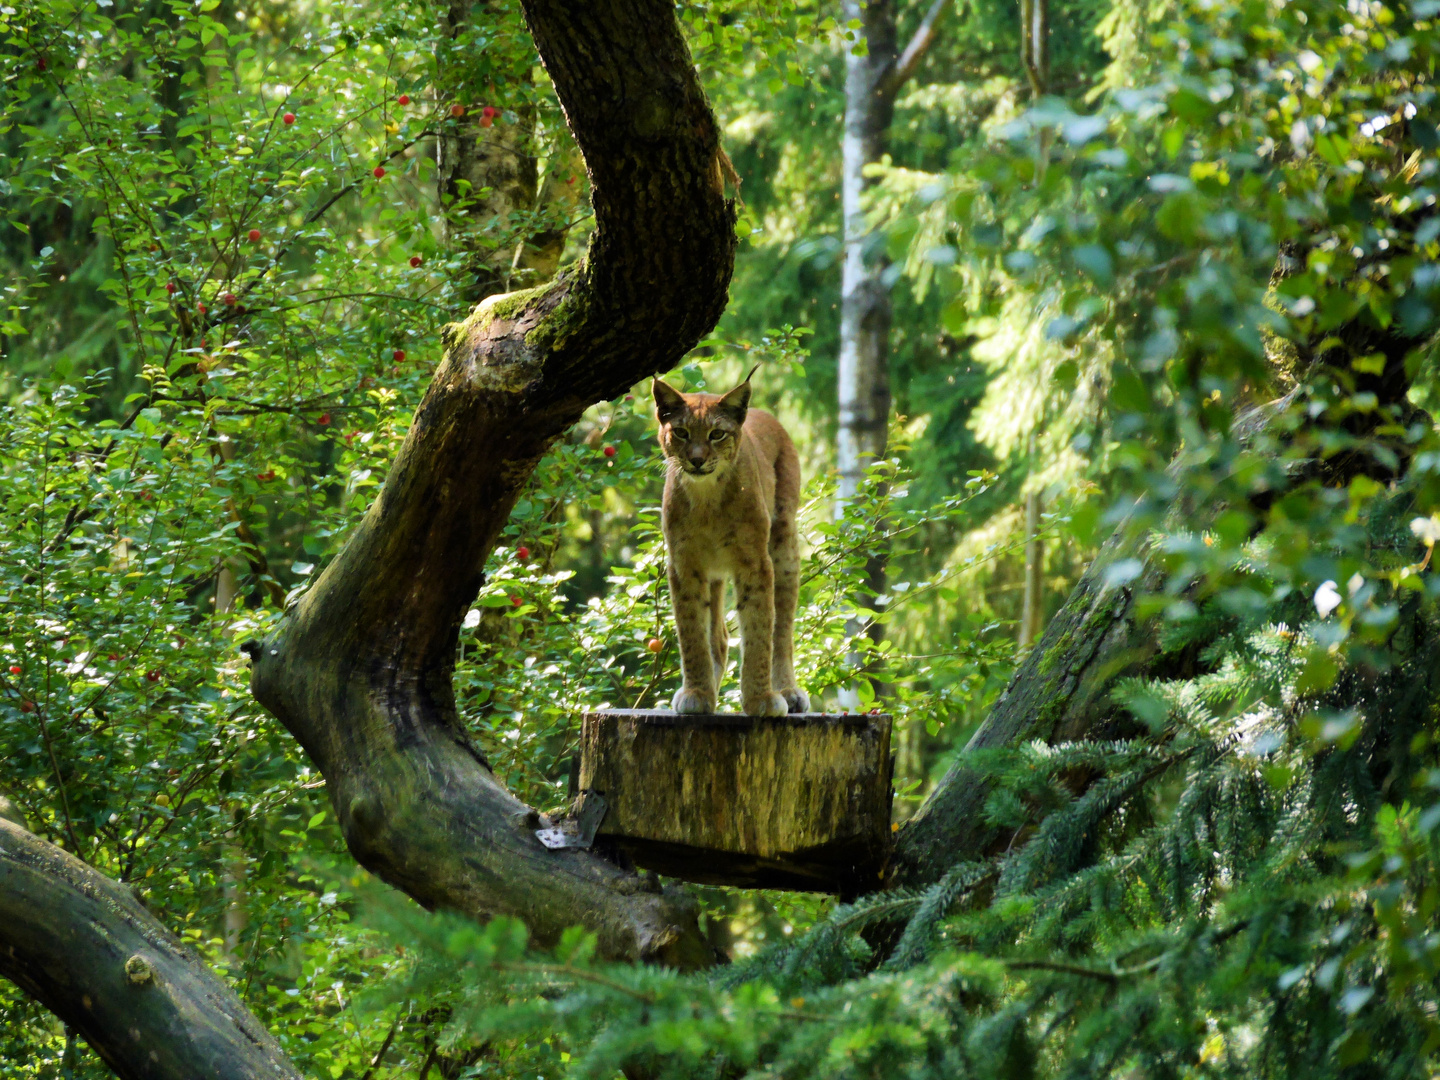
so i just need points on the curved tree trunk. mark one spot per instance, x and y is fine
(360, 669)
(82, 945)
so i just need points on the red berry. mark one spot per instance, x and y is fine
(153, 676)
(457, 111)
(229, 299)
(485, 121)
(170, 287)
(268, 474)
(516, 601)
(522, 553)
(112, 657)
(416, 260)
(398, 356)
(42, 63)
(654, 644)
(379, 171)
(201, 308)
(489, 111)
(27, 706)
(288, 118)
(14, 669)
(324, 418)
(609, 450)
(403, 99)
(254, 235)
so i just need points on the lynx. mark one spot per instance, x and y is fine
(732, 486)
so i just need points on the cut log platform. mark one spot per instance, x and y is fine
(785, 802)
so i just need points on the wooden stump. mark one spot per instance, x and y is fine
(784, 802)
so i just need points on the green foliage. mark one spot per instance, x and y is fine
(1242, 881)
(1235, 896)
(1191, 295)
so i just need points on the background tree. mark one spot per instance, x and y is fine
(875, 72)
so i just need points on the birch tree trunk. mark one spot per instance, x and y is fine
(872, 82)
(1035, 59)
(864, 369)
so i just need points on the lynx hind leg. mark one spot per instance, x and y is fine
(719, 632)
(755, 604)
(785, 559)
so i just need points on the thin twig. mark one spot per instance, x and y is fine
(384, 1046)
(1063, 969)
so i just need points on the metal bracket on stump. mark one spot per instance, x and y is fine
(783, 802)
(577, 829)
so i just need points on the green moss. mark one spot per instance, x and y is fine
(1091, 629)
(1048, 718)
(567, 319)
(507, 306)
(1054, 654)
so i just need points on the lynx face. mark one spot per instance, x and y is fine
(700, 432)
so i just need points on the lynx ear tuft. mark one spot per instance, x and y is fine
(668, 400)
(737, 401)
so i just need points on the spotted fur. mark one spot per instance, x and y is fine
(732, 486)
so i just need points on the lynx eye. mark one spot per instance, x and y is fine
(718, 436)
(680, 433)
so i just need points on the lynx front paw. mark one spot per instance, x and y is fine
(687, 700)
(771, 704)
(797, 700)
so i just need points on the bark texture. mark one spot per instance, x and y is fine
(82, 945)
(784, 802)
(360, 669)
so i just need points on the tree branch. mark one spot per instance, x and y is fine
(360, 669)
(919, 45)
(82, 945)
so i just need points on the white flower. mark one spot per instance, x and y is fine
(1426, 529)
(472, 619)
(1327, 599)
(1355, 584)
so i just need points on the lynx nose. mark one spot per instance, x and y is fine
(697, 454)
